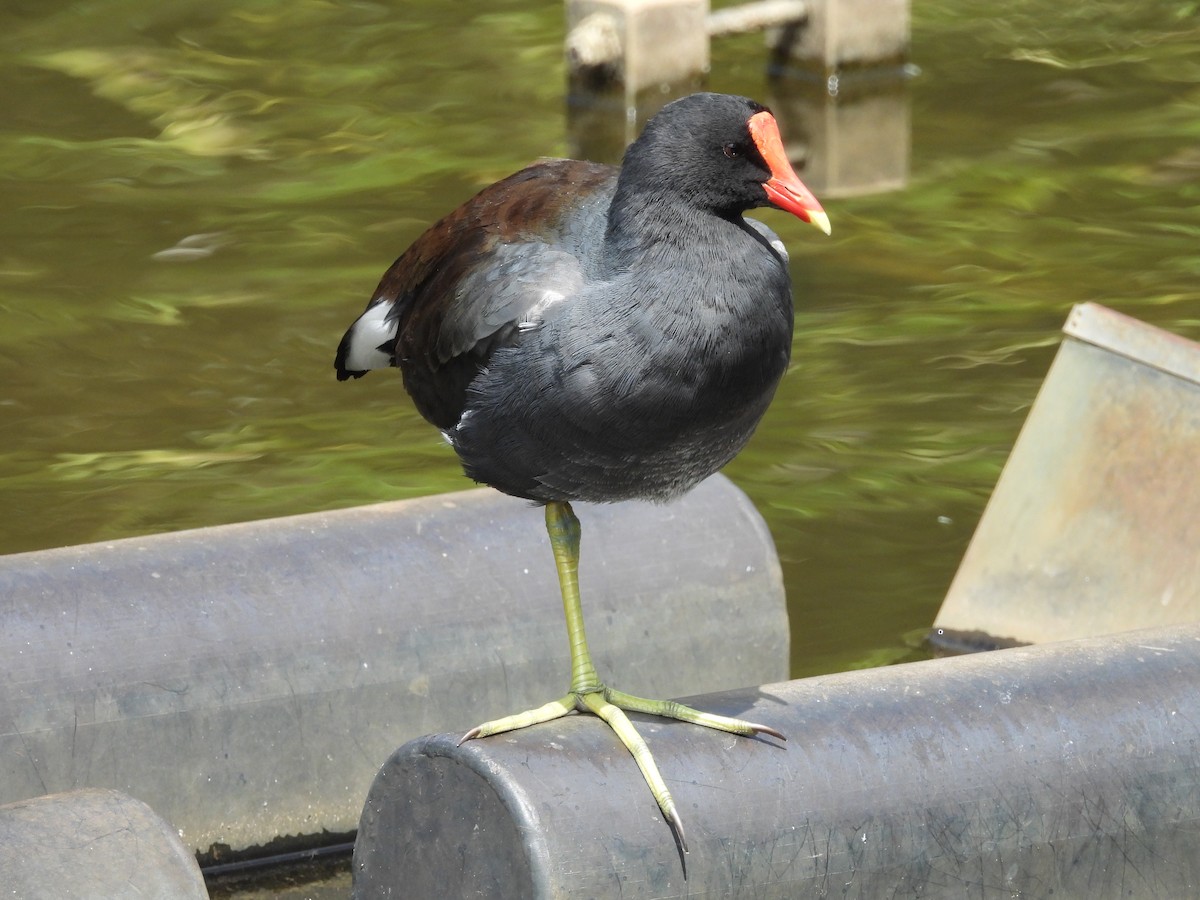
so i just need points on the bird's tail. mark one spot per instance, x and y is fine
(370, 343)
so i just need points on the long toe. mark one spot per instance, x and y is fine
(671, 709)
(555, 709)
(636, 745)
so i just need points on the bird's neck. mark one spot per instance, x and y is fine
(645, 226)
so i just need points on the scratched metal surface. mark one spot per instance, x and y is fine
(1065, 770)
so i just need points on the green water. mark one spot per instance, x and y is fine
(197, 198)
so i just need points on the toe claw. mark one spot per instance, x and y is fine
(676, 823)
(767, 729)
(470, 735)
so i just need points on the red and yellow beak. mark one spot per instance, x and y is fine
(784, 188)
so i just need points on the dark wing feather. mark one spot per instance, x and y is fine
(466, 284)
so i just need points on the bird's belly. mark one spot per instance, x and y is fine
(650, 428)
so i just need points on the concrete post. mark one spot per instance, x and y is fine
(663, 44)
(638, 43)
(846, 115)
(845, 34)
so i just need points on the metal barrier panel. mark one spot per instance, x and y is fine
(1094, 526)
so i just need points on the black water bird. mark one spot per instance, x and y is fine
(581, 332)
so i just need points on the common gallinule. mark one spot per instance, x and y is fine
(580, 332)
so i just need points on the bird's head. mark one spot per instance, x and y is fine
(722, 153)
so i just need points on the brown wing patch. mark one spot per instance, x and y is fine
(439, 361)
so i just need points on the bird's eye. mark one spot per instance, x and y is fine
(733, 151)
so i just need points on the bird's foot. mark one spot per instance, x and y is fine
(610, 705)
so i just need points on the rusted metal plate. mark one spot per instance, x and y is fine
(1094, 525)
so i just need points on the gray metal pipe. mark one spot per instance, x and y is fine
(87, 844)
(247, 681)
(1064, 770)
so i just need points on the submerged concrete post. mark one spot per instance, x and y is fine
(1065, 770)
(643, 44)
(845, 117)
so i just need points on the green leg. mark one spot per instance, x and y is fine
(588, 694)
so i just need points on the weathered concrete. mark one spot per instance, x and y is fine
(1094, 525)
(841, 34)
(640, 44)
(756, 15)
(92, 844)
(661, 44)
(845, 120)
(247, 681)
(1064, 770)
